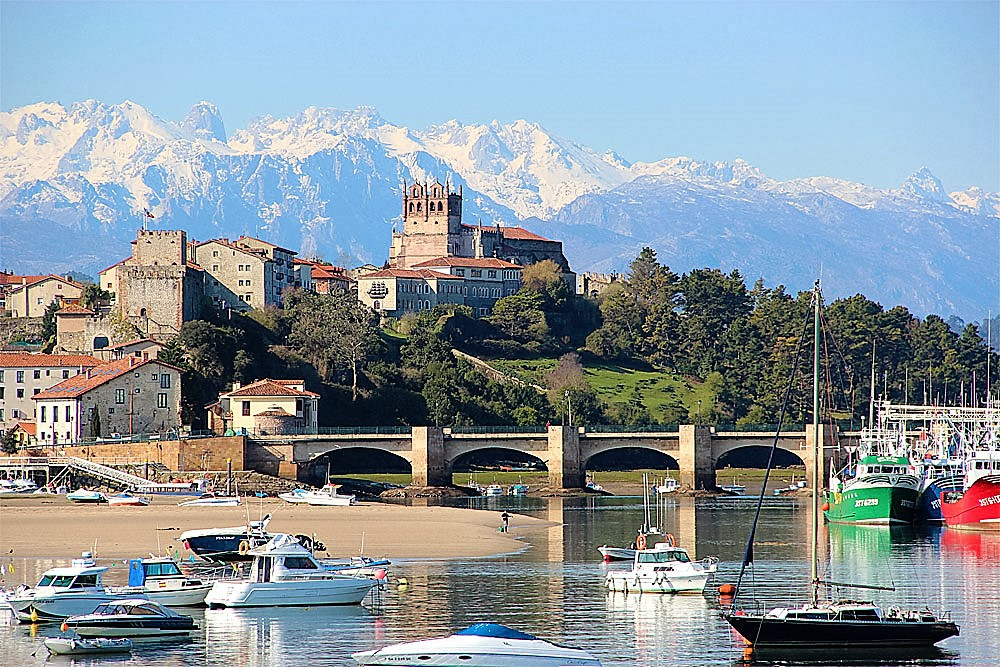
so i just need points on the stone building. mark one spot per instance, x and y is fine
(322, 278)
(485, 280)
(432, 228)
(35, 293)
(593, 284)
(121, 397)
(24, 375)
(157, 288)
(267, 407)
(245, 273)
(143, 348)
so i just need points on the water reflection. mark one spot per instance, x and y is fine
(555, 589)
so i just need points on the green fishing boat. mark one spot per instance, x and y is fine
(881, 490)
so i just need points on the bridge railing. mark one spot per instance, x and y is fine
(753, 428)
(496, 429)
(638, 428)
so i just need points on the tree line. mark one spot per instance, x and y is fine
(737, 342)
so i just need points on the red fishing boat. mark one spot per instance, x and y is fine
(977, 506)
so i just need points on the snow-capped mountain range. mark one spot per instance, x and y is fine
(74, 179)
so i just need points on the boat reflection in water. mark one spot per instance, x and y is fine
(660, 624)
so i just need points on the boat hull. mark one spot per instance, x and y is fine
(616, 553)
(976, 509)
(477, 652)
(124, 627)
(30, 608)
(628, 582)
(763, 632)
(929, 503)
(334, 591)
(872, 503)
(67, 646)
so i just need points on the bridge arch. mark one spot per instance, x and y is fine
(755, 456)
(354, 460)
(631, 458)
(496, 457)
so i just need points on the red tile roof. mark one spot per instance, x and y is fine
(121, 261)
(31, 428)
(519, 233)
(33, 280)
(276, 247)
(28, 360)
(423, 274)
(268, 387)
(475, 262)
(253, 252)
(83, 382)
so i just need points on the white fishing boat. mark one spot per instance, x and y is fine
(21, 486)
(63, 592)
(480, 645)
(131, 618)
(86, 496)
(285, 574)
(669, 485)
(493, 490)
(665, 568)
(645, 536)
(80, 646)
(162, 581)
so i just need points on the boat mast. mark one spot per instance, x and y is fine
(817, 450)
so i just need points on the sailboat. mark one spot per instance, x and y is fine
(642, 538)
(843, 625)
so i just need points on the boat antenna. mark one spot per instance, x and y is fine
(748, 553)
(817, 449)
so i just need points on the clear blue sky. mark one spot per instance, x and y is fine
(862, 91)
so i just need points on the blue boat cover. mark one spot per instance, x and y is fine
(136, 573)
(494, 630)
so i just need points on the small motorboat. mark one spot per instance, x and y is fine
(212, 499)
(493, 490)
(327, 496)
(86, 496)
(665, 568)
(669, 485)
(286, 574)
(518, 489)
(480, 645)
(131, 618)
(63, 592)
(161, 580)
(17, 487)
(79, 646)
(616, 553)
(126, 499)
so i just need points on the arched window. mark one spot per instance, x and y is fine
(376, 305)
(440, 206)
(418, 206)
(142, 312)
(411, 207)
(100, 342)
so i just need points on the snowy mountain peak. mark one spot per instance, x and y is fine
(205, 122)
(922, 183)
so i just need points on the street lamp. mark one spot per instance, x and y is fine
(699, 412)
(569, 409)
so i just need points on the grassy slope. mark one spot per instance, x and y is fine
(614, 383)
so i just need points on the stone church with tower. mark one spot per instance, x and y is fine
(433, 230)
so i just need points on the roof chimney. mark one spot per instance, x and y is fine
(236, 385)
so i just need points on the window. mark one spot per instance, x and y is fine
(491, 274)
(44, 410)
(246, 408)
(55, 413)
(161, 400)
(155, 377)
(20, 376)
(476, 273)
(215, 253)
(137, 390)
(1, 392)
(37, 375)
(240, 282)
(65, 375)
(215, 267)
(247, 299)
(39, 301)
(68, 417)
(111, 411)
(1, 376)
(164, 380)
(298, 406)
(20, 393)
(35, 391)
(120, 396)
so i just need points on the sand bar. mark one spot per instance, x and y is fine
(54, 528)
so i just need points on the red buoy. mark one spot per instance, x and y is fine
(727, 589)
(825, 507)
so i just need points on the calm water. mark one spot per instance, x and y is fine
(554, 589)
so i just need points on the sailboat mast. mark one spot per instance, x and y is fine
(817, 450)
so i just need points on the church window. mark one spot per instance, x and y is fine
(440, 206)
(418, 207)
(411, 207)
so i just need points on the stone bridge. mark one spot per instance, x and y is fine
(565, 451)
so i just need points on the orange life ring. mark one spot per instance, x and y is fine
(670, 540)
(640, 542)
(244, 547)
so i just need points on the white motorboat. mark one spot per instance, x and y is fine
(78, 646)
(285, 574)
(17, 487)
(493, 490)
(327, 496)
(162, 581)
(131, 618)
(126, 499)
(63, 592)
(212, 499)
(669, 485)
(616, 553)
(480, 645)
(665, 568)
(86, 496)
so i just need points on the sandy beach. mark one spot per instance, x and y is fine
(56, 528)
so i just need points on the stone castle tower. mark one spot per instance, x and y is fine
(432, 225)
(158, 290)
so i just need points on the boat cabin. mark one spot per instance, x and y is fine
(83, 573)
(660, 556)
(284, 559)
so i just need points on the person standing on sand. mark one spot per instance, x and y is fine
(505, 521)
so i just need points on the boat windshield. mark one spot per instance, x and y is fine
(143, 610)
(85, 581)
(61, 581)
(664, 557)
(300, 563)
(494, 630)
(46, 580)
(162, 569)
